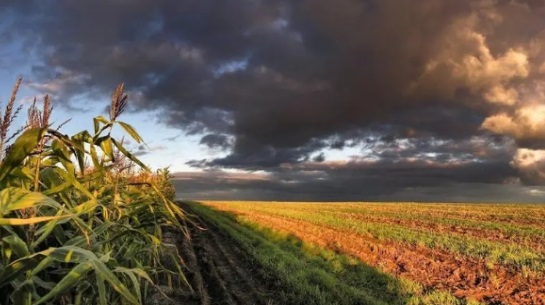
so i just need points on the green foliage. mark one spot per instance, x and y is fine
(164, 183)
(77, 234)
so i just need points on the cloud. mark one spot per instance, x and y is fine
(531, 164)
(466, 61)
(499, 94)
(385, 170)
(61, 81)
(536, 192)
(216, 141)
(357, 180)
(279, 82)
(319, 157)
(142, 150)
(526, 123)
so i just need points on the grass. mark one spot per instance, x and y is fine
(512, 255)
(78, 223)
(308, 274)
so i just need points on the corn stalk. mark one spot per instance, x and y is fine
(90, 243)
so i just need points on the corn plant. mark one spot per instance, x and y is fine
(72, 235)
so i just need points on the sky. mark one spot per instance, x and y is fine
(314, 100)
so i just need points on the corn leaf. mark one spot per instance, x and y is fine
(132, 273)
(131, 131)
(69, 281)
(129, 155)
(28, 221)
(16, 245)
(23, 146)
(18, 267)
(102, 299)
(16, 199)
(116, 284)
(106, 145)
(96, 122)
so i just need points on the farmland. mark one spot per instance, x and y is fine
(391, 253)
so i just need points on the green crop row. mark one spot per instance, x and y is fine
(512, 255)
(521, 214)
(78, 233)
(527, 234)
(312, 275)
(498, 212)
(507, 229)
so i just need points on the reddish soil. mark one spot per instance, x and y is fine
(220, 272)
(536, 243)
(462, 276)
(517, 218)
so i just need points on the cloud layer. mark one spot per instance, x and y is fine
(449, 91)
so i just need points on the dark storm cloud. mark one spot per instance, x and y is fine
(142, 150)
(437, 150)
(357, 181)
(385, 170)
(216, 141)
(263, 157)
(278, 82)
(319, 158)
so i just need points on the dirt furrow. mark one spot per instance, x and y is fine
(462, 276)
(537, 243)
(227, 276)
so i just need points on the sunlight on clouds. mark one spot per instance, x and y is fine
(531, 163)
(501, 95)
(527, 122)
(55, 85)
(466, 59)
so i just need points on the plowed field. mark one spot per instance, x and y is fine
(417, 253)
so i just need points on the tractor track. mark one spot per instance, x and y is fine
(218, 270)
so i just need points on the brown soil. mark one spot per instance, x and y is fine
(536, 243)
(462, 276)
(516, 218)
(218, 270)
